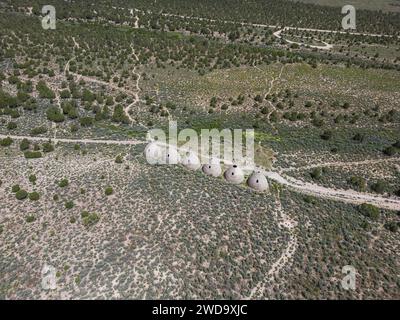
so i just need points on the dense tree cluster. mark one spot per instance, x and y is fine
(273, 12)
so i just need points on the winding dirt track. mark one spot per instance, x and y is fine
(273, 108)
(135, 94)
(278, 35)
(286, 28)
(285, 221)
(84, 141)
(348, 196)
(341, 164)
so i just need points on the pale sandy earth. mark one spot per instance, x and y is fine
(128, 108)
(157, 235)
(285, 221)
(163, 233)
(154, 231)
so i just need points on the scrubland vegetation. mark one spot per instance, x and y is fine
(125, 229)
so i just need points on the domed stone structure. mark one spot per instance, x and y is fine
(213, 168)
(258, 181)
(172, 156)
(154, 153)
(234, 175)
(191, 161)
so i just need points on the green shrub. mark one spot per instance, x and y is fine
(69, 204)
(6, 142)
(15, 188)
(53, 114)
(44, 91)
(84, 214)
(369, 211)
(21, 195)
(7, 100)
(358, 182)
(109, 101)
(74, 128)
(308, 104)
(30, 219)
(119, 115)
(65, 94)
(318, 122)
(32, 178)
(316, 174)
(88, 96)
(39, 130)
(109, 191)
(274, 116)
(392, 226)
(32, 154)
(24, 145)
(89, 219)
(86, 121)
(390, 151)
(365, 225)
(73, 113)
(309, 199)
(379, 186)
(13, 113)
(11, 125)
(63, 183)
(34, 196)
(48, 147)
(258, 98)
(119, 159)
